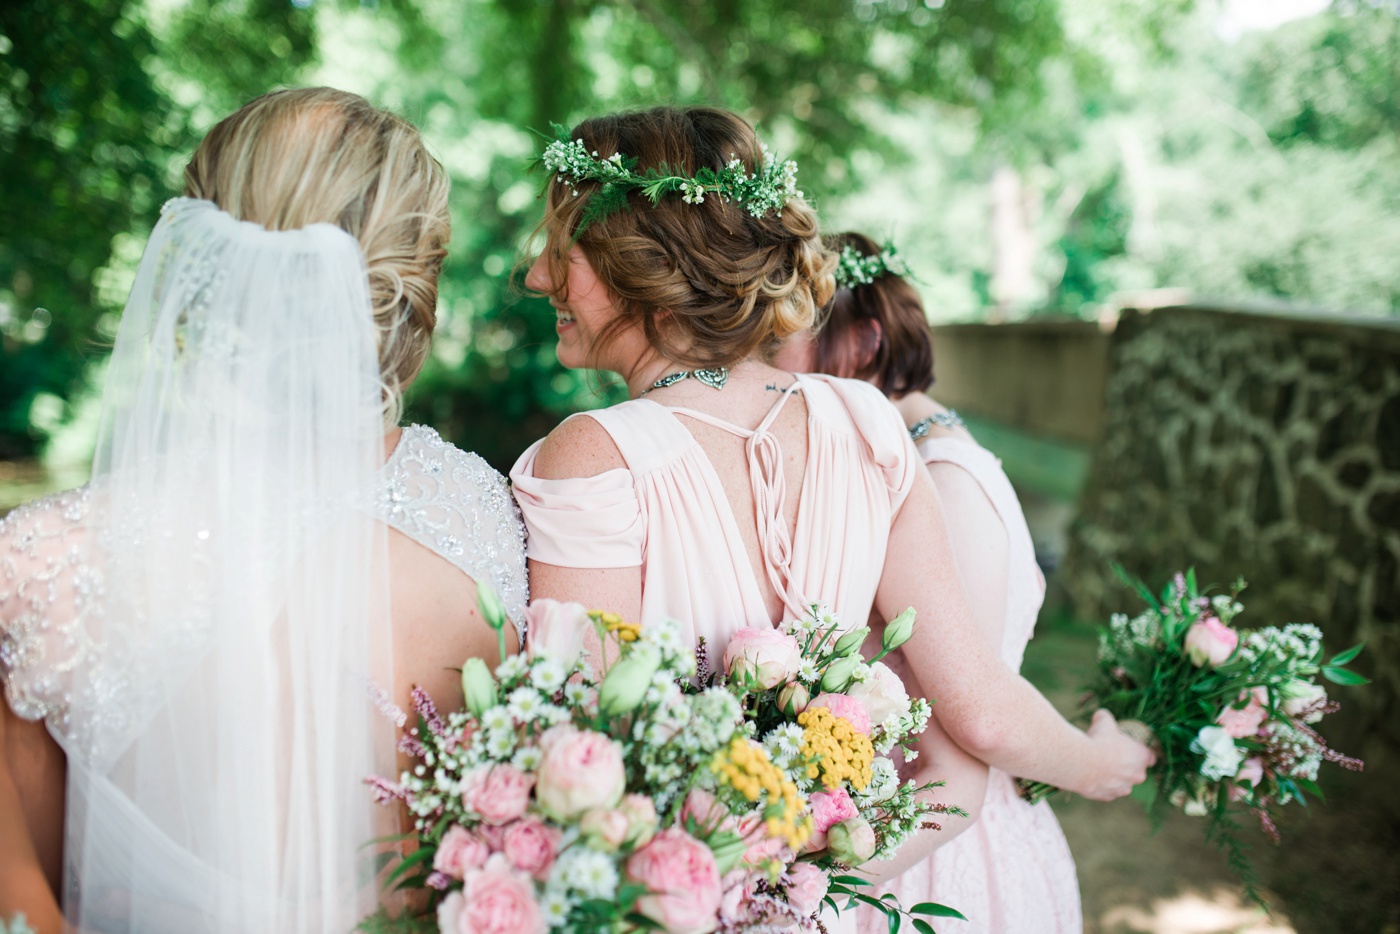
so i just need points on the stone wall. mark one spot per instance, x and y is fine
(1265, 445)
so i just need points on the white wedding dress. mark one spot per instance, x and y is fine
(205, 628)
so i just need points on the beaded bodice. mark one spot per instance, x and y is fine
(458, 506)
(52, 579)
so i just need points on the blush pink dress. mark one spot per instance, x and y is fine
(1011, 872)
(667, 511)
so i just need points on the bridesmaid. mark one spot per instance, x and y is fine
(1012, 872)
(728, 492)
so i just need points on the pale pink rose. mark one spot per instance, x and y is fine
(499, 793)
(882, 694)
(498, 900)
(1252, 772)
(806, 888)
(1304, 699)
(608, 826)
(701, 806)
(449, 915)
(555, 630)
(459, 852)
(829, 808)
(580, 770)
(768, 656)
(1210, 640)
(848, 708)
(736, 905)
(1245, 722)
(852, 841)
(682, 880)
(640, 812)
(531, 845)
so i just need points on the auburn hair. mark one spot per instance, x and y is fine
(708, 283)
(896, 354)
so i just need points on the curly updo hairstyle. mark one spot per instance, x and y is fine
(896, 354)
(317, 155)
(709, 283)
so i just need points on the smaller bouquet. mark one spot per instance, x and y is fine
(1230, 712)
(824, 720)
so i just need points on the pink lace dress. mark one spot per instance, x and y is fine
(667, 511)
(1011, 872)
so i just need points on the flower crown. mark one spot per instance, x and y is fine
(769, 189)
(855, 268)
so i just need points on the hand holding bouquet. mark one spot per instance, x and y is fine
(1231, 712)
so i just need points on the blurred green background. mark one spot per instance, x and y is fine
(1030, 156)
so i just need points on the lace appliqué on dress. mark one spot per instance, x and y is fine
(51, 593)
(458, 506)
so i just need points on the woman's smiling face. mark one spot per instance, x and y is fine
(583, 308)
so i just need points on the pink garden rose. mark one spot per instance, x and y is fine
(1304, 699)
(607, 826)
(829, 808)
(531, 845)
(882, 694)
(709, 815)
(580, 770)
(460, 852)
(1210, 640)
(683, 881)
(806, 888)
(847, 707)
(499, 793)
(769, 656)
(555, 629)
(1244, 722)
(736, 905)
(496, 900)
(1252, 772)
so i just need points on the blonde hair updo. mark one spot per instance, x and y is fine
(317, 155)
(709, 283)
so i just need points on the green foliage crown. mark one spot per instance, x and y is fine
(768, 190)
(855, 268)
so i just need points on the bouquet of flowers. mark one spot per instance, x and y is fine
(1230, 712)
(824, 720)
(649, 796)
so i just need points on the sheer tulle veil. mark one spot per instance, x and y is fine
(220, 733)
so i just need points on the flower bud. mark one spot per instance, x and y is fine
(850, 643)
(605, 828)
(478, 686)
(793, 698)
(642, 821)
(838, 674)
(490, 606)
(899, 630)
(625, 686)
(852, 841)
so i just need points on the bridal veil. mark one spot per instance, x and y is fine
(221, 721)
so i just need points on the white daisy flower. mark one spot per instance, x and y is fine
(497, 719)
(548, 675)
(525, 704)
(527, 758)
(500, 743)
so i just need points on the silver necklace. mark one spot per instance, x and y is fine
(948, 419)
(714, 377)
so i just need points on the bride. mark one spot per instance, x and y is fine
(263, 564)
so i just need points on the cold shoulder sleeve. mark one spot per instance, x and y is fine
(580, 522)
(881, 427)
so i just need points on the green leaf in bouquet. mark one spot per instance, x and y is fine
(852, 880)
(412, 860)
(1311, 787)
(642, 921)
(1343, 676)
(1342, 658)
(935, 910)
(923, 927)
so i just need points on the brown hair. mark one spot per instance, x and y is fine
(729, 283)
(898, 354)
(317, 155)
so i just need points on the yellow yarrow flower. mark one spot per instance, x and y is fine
(745, 767)
(612, 622)
(836, 752)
